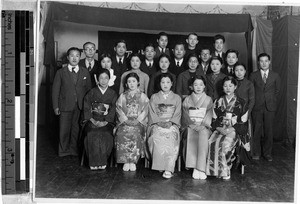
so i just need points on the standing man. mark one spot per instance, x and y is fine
(267, 85)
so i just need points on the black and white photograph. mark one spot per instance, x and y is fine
(152, 101)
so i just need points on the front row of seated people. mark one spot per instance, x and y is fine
(152, 127)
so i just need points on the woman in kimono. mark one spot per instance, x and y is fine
(132, 117)
(164, 123)
(196, 121)
(229, 122)
(99, 112)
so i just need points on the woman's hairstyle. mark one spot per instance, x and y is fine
(104, 55)
(164, 55)
(216, 58)
(193, 79)
(101, 71)
(164, 75)
(132, 74)
(230, 78)
(240, 64)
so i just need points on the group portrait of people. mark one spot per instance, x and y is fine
(165, 102)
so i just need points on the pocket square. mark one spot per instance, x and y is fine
(84, 77)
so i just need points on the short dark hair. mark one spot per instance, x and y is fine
(232, 51)
(205, 48)
(179, 43)
(263, 55)
(218, 36)
(216, 58)
(161, 34)
(88, 43)
(149, 45)
(193, 79)
(103, 55)
(239, 64)
(164, 55)
(192, 34)
(120, 41)
(73, 49)
(132, 74)
(192, 55)
(101, 71)
(230, 78)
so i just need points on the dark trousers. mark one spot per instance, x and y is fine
(263, 121)
(68, 132)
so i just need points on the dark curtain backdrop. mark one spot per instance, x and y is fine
(285, 62)
(141, 20)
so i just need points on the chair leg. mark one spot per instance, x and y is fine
(179, 163)
(242, 169)
(82, 157)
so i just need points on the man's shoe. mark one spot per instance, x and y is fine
(269, 158)
(255, 157)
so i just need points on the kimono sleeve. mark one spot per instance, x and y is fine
(209, 114)
(216, 121)
(146, 83)
(153, 117)
(119, 109)
(112, 111)
(177, 114)
(186, 120)
(143, 115)
(241, 127)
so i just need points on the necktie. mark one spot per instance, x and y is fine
(163, 50)
(214, 76)
(90, 67)
(150, 65)
(73, 69)
(177, 64)
(265, 77)
(120, 61)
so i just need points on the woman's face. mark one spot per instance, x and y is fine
(240, 71)
(215, 66)
(228, 87)
(135, 62)
(165, 84)
(103, 80)
(198, 86)
(106, 63)
(164, 63)
(132, 83)
(193, 63)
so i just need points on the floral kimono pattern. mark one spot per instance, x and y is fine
(222, 147)
(196, 111)
(130, 139)
(163, 143)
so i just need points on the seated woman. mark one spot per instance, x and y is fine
(132, 117)
(230, 120)
(164, 123)
(99, 111)
(196, 121)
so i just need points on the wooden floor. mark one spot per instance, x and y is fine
(64, 178)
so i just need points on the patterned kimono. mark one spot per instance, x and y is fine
(196, 111)
(221, 147)
(164, 143)
(99, 140)
(130, 139)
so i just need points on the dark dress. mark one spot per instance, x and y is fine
(214, 87)
(98, 141)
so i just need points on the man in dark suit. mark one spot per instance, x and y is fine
(70, 85)
(219, 41)
(205, 59)
(149, 66)
(89, 62)
(267, 86)
(162, 41)
(178, 63)
(119, 61)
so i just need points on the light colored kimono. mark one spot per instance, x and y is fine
(196, 112)
(164, 142)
